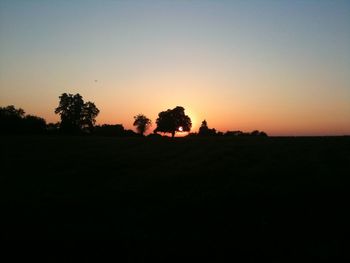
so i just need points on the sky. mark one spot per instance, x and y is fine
(278, 66)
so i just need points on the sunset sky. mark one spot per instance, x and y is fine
(278, 66)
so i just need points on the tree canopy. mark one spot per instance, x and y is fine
(76, 115)
(142, 123)
(13, 120)
(205, 131)
(173, 120)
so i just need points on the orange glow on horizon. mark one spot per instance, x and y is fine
(273, 125)
(225, 63)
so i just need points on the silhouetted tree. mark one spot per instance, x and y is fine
(130, 133)
(76, 116)
(170, 121)
(255, 133)
(116, 130)
(205, 131)
(247, 134)
(11, 119)
(33, 124)
(142, 123)
(192, 134)
(263, 134)
(90, 112)
(14, 121)
(70, 109)
(204, 126)
(11, 111)
(109, 130)
(234, 133)
(53, 128)
(258, 133)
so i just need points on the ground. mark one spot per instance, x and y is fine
(269, 197)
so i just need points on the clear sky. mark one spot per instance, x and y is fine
(278, 66)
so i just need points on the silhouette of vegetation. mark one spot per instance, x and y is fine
(236, 185)
(258, 133)
(142, 123)
(53, 128)
(246, 134)
(14, 121)
(131, 133)
(90, 112)
(11, 119)
(79, 117)
(109, 130)
(76, 115)
(11, 112)
(172, 121)
(33, 124)
(154, 136)
(116, 130)
(205, 131)
(234, 133)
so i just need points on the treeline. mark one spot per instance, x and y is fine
(15, 121)
(204, 130)
(79, 117)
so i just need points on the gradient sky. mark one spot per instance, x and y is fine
(278, 66)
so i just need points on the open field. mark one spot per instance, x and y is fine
(269, 196)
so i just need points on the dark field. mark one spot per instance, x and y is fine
(265, 197)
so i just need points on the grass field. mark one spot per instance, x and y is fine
(270, 197)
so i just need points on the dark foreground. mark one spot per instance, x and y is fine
(280, 198)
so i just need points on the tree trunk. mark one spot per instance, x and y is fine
(173, 134)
